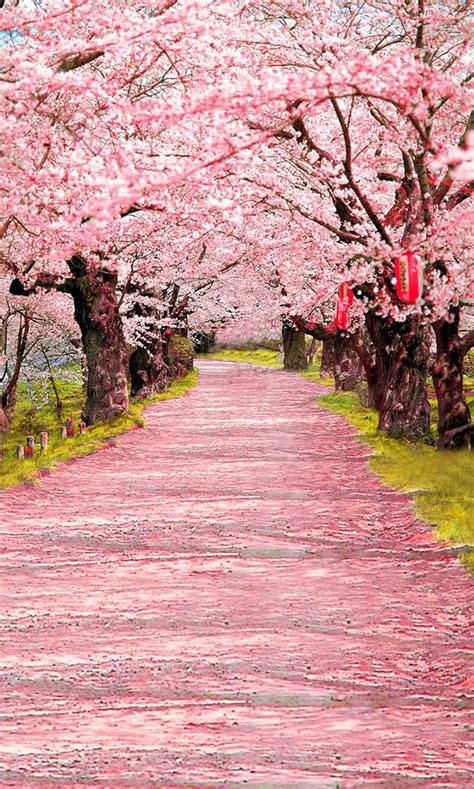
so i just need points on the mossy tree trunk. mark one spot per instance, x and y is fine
(294, 347)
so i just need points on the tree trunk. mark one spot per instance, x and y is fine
(348, 368)
(453, 411)
(148, 372)
(96, 311)
(328, 358)
(4, 425)
(203, 341)
(10, 391)
(399, 378)
(294, 348)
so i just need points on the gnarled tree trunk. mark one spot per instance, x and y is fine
(328, 358)
(148, 372)
(96, 311)
(453, 411)
(347, 366)
(398, 376)
(294, 348)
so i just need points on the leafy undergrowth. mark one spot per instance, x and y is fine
(439, 482)
(29, 419)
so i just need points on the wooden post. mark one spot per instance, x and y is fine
(82, 428)
(63, 432)
(20, 452)
(30, 446)
(44, 441)
(70, 427)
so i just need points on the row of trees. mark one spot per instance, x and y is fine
(184, 162)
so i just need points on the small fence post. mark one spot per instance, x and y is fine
(20, 452)
(70, 427)
(44, 441)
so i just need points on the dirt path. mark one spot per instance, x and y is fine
(230, 597)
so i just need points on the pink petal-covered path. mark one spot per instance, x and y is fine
(230, 597)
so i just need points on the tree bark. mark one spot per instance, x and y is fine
(148, 372)
(294, 348)
(453, 411)
(4, 424)
(8, 402)
(328, 358)
(399, 377)
(96, 311)
(347, 366)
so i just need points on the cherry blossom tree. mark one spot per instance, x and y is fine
(359, 156)
(98, 126)
(149, 146)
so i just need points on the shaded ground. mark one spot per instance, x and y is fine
(230, 597)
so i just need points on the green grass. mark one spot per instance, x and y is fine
(260, 356)
(31, 420)
(439, 482)
(266, 358)
(313, 374)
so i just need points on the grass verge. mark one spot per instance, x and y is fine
(266, 358)
(260, 356)
(439, 482)
(31, 419)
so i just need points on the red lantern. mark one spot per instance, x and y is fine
(168, 332)
(343, 320)
(346, 293)
(409, 277)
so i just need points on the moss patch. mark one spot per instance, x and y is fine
(33, 419)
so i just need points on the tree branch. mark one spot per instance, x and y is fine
(316, 330)
(467, 342)
(363, 200)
